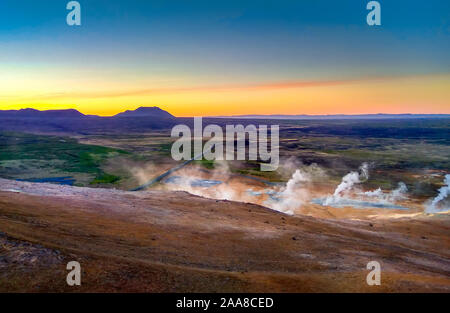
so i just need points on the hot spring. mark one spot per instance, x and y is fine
(358, 204)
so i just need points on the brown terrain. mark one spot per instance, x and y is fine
(172, 241)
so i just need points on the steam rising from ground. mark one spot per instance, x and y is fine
(395, 195)
(347, 195)
(296, 191)
(286, 199)
(143, 173)
(221, 183)
(189, 177)
(443, 193)
(348, 181)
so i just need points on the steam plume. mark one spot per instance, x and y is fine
(348, 181)
(293, 195)
(443, 193)
(395, 195)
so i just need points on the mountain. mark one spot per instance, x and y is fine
(32, 113)
(72, 121)
(146, 112)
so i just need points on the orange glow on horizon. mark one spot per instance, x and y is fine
(414, 94)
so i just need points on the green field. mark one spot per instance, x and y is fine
(28, 156)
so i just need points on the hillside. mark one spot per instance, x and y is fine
(158, 241)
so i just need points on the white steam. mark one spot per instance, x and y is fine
(443, 193)
(221, 173)
(348, 181)
(293, 195)
(286, 199)
(143, 173)
(297, 191)
(397, 194)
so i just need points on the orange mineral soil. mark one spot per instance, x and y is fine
(173, 241)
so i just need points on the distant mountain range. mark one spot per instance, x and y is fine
(32, 113)
(72, 121)
(147, 119)
(72, 113)
(336, 116)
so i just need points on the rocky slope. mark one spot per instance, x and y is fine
(157, 241)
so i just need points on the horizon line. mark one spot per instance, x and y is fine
(255, 115)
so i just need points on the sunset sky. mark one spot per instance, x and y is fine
(226, 57)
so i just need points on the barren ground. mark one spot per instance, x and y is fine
(161, 241)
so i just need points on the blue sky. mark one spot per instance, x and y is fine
(317, 37)
(220, 42)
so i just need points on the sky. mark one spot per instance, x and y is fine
(203, 58)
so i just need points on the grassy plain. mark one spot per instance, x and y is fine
(416, 152)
